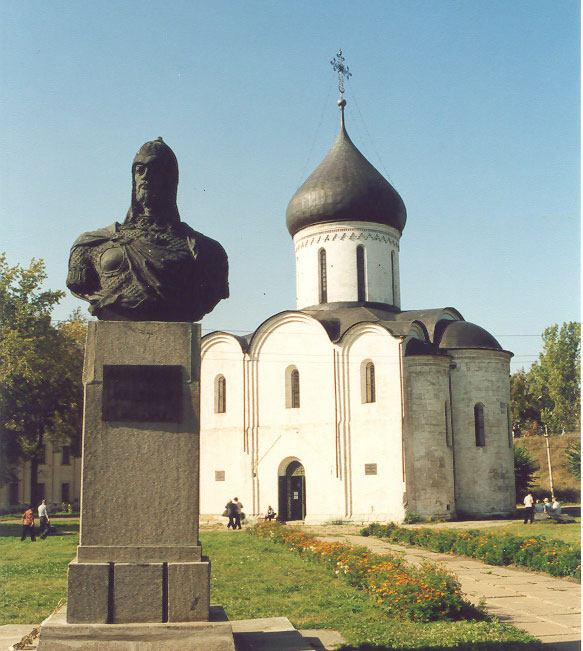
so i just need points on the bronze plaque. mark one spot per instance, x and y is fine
(142, 394)
(370, 468)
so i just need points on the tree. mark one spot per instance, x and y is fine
(40, 369)
(525, 468)
(556, 378)
(549, 394)
(524, 406)
(573, 458)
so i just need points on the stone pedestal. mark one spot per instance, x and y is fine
(139, 560)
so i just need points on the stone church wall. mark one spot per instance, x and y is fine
(429, 467)
(484, 474)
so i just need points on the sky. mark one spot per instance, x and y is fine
(470, 109)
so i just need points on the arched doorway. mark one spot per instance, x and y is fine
(292, 492)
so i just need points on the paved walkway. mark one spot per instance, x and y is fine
(546, 607)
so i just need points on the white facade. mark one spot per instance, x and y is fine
(340, 241)
(412, 449)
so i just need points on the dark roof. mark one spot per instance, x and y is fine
(441, 331)
(338, 318)
(345, 187)
(463, 334)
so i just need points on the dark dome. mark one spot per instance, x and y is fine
(463, 334)
(345, 187)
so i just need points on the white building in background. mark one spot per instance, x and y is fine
(349, 408)
(59, 480)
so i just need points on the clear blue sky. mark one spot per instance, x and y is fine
(471, 109)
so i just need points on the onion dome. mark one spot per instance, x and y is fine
(345, 187)
(463, 334)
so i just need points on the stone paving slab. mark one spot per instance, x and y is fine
(12, 634)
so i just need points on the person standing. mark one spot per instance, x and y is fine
(529, 509)
(45, 523)
(28, 524)
(232, 510)
(238, 514)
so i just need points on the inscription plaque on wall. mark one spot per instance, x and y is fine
(370, 468)
(143, 394)
(219, 475)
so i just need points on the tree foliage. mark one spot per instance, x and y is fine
(525, 468)
(40, 368)
(549, 394)
(573, 459)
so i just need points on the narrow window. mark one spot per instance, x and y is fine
(295, 389)
(479, 425)
(393, 280)
(323, 276)
(509, 419)
(66, 455)
(447, 425)
(360, 273)
(65, 492)
(220, 394)
(370, 383)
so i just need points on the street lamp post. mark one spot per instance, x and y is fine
(546, 435)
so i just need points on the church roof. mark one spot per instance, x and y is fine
(345, 187)
(338, 319)
(463, 334)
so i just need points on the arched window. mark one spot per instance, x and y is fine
(479, 424)
(292, 388)
(323, 277)
(447, 424)
(360, 281)
(368, 381)
(393, 279)
(220, 394)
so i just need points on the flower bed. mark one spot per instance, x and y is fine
(555, 557)
(428, 593)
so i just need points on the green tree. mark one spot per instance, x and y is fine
(525, 468)
(555, 379)
(40, 369)
(525, 409)
(573, 459)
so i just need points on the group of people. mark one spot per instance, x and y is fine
(28, 522)
(234, 511)
(546, 507)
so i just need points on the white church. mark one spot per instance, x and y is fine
(348, 407)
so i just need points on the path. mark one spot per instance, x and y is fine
(548, 608)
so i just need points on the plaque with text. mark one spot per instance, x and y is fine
(219, 475)
(370, 468)
(142, 394)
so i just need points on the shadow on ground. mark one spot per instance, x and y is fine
(13, 530)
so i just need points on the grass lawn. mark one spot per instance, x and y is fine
(250, 578)
(570, 533)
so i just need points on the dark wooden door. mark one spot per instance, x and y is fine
(292, 498)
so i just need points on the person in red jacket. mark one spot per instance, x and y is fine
(28, 524)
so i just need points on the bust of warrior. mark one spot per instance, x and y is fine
(153, 267)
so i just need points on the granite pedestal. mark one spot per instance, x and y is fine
(139, 560)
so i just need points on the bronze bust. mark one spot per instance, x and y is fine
(153, 267)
